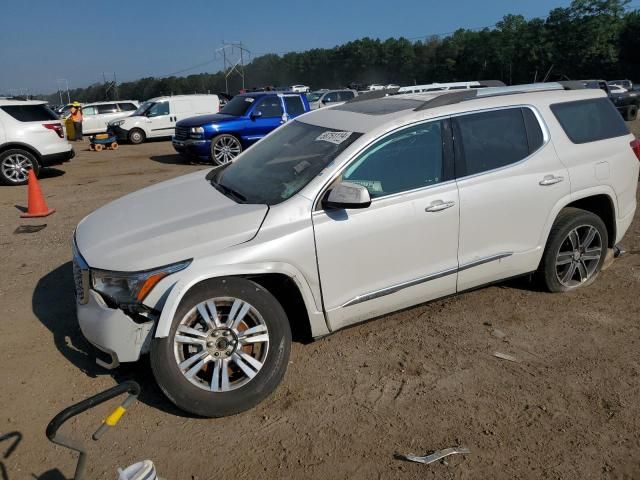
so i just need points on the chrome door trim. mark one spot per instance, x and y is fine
(412, 283)
(396, 288)
(482, 261)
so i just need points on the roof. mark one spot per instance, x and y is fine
(16, 101)
(393, 111)
(107, 101)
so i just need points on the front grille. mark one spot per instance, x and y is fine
(182, 133)
(80, 278)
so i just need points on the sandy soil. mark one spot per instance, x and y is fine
(419, 380)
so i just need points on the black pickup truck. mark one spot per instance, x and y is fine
(627, 103)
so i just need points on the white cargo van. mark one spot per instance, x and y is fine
(157, 117)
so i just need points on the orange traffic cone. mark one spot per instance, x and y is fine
(37, 205)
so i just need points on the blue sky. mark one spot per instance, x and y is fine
(42, 41)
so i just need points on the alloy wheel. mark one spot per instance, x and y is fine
(15, 167)
(221, 344)
(579, 256)
(225, 149)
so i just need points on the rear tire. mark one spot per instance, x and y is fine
(136, 136)
(15, 165)
(575, 251)
(632, 113)
(208, 366)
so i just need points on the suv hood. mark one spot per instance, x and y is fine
(175, 220)
(201, 120)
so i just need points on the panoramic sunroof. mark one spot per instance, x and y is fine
(379, 106)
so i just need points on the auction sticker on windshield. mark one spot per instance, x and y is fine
(334, 137)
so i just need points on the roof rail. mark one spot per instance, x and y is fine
(373, 94)
(458, 96)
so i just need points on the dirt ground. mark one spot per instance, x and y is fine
(416, 381)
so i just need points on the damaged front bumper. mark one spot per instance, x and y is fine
(112, 331)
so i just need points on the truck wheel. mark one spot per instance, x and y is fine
(15, 165)
(575, 251)
(632, 113)
(136, 136)
(225, 148)
(227, 350)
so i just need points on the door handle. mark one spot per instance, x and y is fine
(550, 180)
(438, 206)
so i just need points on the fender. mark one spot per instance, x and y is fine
(572, 197)
(24, 146)
(316, 318)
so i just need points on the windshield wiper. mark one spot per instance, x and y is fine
(229, 192)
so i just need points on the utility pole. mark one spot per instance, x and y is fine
(67, 84)
(233, 61)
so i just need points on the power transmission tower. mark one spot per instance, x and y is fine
(233, 54)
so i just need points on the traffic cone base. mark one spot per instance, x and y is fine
(37, 206)
(40, 214)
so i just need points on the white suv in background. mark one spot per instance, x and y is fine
(345, 214)
(97, 115)
(31, 137)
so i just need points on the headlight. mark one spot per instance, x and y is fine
(116, 123)
(131, 287)
(196, 132)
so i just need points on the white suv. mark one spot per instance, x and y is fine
(96, 116)
(31, 137)
(345, 214)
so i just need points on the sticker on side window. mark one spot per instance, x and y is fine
(374, 186)
(249, 99)
(334, 137)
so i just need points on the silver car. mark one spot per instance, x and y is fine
(327, 98)
(345, 214)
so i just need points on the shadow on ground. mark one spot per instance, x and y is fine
(54, 305)
(50, 172)
(178, 159)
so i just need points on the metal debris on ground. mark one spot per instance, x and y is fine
(29, 229)
(435, 456)
(504, 356)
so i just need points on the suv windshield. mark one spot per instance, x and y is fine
(238, 106)
(279, 166)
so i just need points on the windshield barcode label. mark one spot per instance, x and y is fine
(334, 137)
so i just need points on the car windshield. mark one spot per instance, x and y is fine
(142, 109)
(238, 106)
(280, 165)
(314, 96)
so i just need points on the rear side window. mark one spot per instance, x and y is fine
(346, 96)
(107, 108)
(294, 106)
(127, 107)
(30, 113)
(488, 140)
(587, 121)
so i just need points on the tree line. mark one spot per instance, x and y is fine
(588, 39)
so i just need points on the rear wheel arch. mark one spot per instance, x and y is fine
(22, 146)
(603, 206)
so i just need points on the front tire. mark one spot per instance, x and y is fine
(15, 165)
(224, 148)
(227, 349)
(575, 251)
(136, 136)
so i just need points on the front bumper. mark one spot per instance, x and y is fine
(119, 132)
(197, 148)
(112, 331)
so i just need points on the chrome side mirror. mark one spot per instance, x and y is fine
(347, 195)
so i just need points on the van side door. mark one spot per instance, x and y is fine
(159, 123)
